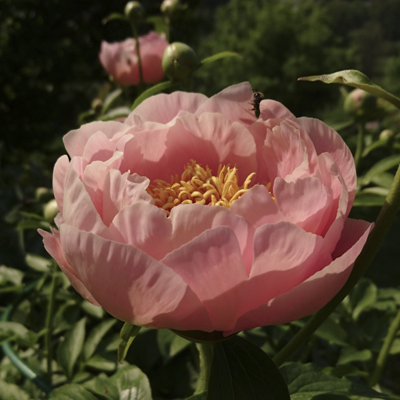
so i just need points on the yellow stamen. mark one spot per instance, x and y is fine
(198, 185)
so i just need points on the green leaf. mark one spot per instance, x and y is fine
(395, 348)
(365, 199)
(71, 347)
(242, 371)
(102, 386)
(373, 146)
(15, 331)
(307, 380)
(38, 263)
(10, 275)
(351, 354)
(127, 335)
(92, 310)
(364, 295)
(32, 224)
(114, 16)
(102, 363)
(71, 391)
(152, 91)
(381, 166)
(344, 370)
(111, 99)
(220, 56)
(170, 344)
(356, 79)
(159, 23)
(119, 112)
(9, 391)
(131, 384)
(95, 336)
(200, 396)
(385, 180)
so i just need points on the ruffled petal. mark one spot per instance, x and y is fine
(211, 265)
(128, 283)
(270, 109)
(59, 174)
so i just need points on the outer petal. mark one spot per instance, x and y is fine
(53, 246)
(212, 266)
(316, 291)
(325, 139)
(128, 283)
(59, 174)
(75, 141)
(163, 108)
(234, 102)
(273, 109)
(98, 148)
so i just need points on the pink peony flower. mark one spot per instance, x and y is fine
(120, 59)
(195, 215)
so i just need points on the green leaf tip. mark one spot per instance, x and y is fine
(127, 335)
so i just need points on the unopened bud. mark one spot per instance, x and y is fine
(179, 62)
(386, 135)
(43, 194)
(50, 210)
(362, 106)
(170, 7)
(134, 11)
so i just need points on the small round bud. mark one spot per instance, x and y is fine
(134, 11)
(179, 62)
(50, 210)
(43, 194)
(362, 106)
(170, 7)
(386, 135)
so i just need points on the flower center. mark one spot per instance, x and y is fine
(199, 186)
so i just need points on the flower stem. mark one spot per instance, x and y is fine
(375, 239)
(360, 144)
(136, 35)
(384, 353)
(49, 325)
(206, 353)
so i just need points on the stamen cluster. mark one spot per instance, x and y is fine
(199, 186)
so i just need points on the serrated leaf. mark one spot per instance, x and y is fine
(365, 199)
(220, 56)
(10, 275)
(70, 349)
(95, 336)
(381, 166)
(114, 16)
(71, 391)
(127, 335)
(9, 391)
(38, 263)
(110, 100)
(152, 91)
(131, 384)
(307, 380)
(355, 79)
(242, 371)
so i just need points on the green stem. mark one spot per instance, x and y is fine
(384, 353)
(167, 27)
(136, 35)
(360, 144)
(49, 325)
(375, 239)
(206, 353)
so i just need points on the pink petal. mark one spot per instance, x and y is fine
(142, 225)
(284, 256)
(76, 140)
(212, 266)
(98, 148)
(167, 106)
(120, 191)
(53, 246)
(79, 210)
(270, 109)
(128, 283)
(59, 174)
(325, 139)
(234, 102)
(257, 207)
(316, 291)
(305, 203)
(284, 150)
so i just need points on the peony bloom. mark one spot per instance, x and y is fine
(195, 215)
(120, 59)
